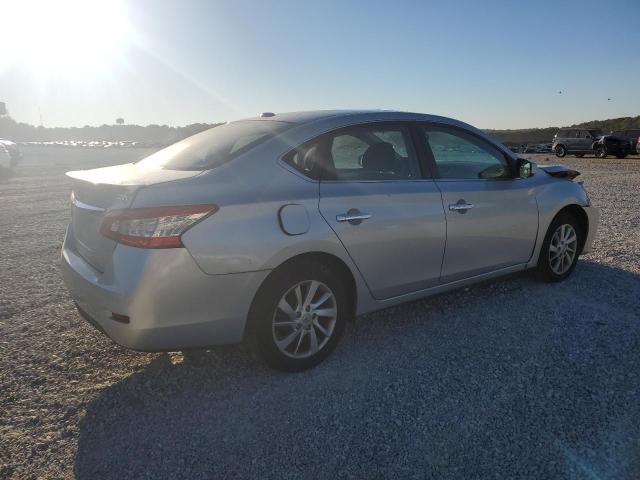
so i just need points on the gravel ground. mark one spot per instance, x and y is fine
(511, 378)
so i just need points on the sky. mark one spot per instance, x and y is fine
(494, 64)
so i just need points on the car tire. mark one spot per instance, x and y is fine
(601, 151)
(560, 151)
(579, 155)
(561, 248)
(285, 328)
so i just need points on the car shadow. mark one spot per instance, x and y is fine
(507, 371)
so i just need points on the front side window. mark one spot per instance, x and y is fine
(459, 155)
(213, 147)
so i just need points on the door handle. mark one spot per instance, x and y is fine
(353, 216)
(461, 206)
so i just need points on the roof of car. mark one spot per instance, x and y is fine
(315, 115)
(347, 117)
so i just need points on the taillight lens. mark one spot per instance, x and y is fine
(156, 227)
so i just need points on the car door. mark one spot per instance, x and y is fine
(571, 140)
(492, 217)
(584, 141)
(388, 216)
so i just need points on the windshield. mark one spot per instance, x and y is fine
(596, 133)
(215, 146)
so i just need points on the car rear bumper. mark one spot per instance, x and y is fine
(170, 302)
(593, 214)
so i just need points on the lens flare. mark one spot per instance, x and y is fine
(65, 38)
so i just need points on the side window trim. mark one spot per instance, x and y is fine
(431, 161)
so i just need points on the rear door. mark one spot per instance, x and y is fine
(584, 141)
(387, 214)
(492, 217)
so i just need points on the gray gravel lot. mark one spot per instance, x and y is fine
(511, 378)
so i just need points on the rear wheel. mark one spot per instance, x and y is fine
(298, 317)
(601, 151)
(561, 151)
(560, 249)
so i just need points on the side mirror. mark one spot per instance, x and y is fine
(525, 168)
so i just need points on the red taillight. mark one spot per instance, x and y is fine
(155, 227)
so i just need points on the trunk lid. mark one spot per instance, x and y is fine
(102, 189)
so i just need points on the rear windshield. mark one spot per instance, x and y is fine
(215, 146)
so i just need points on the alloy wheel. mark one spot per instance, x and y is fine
(304, 319)
(563, 249)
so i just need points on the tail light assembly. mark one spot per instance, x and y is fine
(155, 227)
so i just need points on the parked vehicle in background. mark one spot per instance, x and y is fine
(276, 230)
(575, 140)
(10, 153)
(611, 145)
(543, 148)
(634, 138)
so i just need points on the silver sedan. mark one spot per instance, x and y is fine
(277, 230)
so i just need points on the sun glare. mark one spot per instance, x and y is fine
(65, 38)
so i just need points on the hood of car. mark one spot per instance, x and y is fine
(615, 138)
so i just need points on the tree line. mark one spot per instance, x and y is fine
(149, 134)
(545, 135)
(165, 135)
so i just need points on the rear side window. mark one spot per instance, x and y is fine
(364, 152)
(374, 153)
(213, 147)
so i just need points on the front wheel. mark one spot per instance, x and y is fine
(299, 316)
(560, 249)
(601, 151)
(561, 151)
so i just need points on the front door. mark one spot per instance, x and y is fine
(492, 218)
(389, 218)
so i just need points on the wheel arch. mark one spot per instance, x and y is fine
(333, 262)
(577, 212)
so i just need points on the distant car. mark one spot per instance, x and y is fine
(634, 139)
(611, 145)
(543, 148)
(576, 141)
(278, 229)
(10, 154)
(580, 141)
